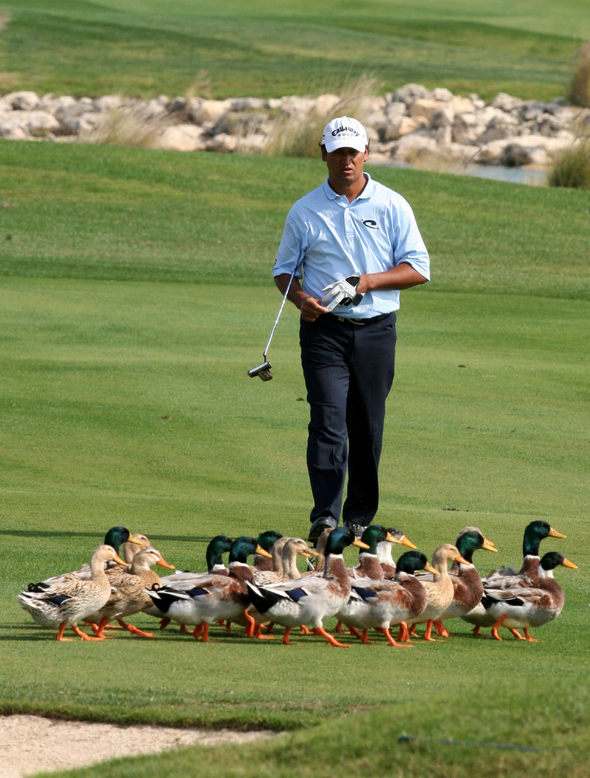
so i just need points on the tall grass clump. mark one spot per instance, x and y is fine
(572, 166)
(129, 126)
(580, 86)
(298, 135)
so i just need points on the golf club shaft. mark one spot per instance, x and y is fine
(283, 301)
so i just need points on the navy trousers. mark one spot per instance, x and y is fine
(348, 370)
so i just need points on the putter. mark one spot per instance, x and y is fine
(263, 370)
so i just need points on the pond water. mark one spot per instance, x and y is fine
(514, 175)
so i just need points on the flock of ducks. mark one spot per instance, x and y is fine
(377, 594)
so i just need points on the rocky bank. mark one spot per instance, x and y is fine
(405, 126)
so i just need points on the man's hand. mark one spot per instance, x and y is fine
(342, 292)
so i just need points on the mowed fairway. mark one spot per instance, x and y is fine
(135, 294)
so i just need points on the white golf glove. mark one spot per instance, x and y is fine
(342, 292)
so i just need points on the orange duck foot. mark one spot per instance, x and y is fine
(390, 638)
(427, 634)
(498, 624)
(259, 635)
(362, 636)
(134, 630)
(81, 635)
(330, 638)
(516, 633)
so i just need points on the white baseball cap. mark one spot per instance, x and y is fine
(344, 132)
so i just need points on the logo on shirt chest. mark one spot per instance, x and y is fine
(371, 224)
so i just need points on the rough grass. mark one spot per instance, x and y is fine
(572, 167)
(579, 93)
(298, 135)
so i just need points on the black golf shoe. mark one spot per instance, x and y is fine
(319, 525)
(358, 529)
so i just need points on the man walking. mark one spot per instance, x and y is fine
(354, 244)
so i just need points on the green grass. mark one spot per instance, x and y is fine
(135, 293)
(265, 48)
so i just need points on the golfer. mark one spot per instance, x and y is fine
(354, 244)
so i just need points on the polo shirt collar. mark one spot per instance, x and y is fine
(365, 194)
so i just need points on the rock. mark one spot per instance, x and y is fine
(222, 142)
(182, 137)
(410, 92)
(423, 108)
(41, 123)
(210, 111)
(22, 101)
(404, 125)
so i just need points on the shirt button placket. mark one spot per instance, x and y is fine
(348, 227)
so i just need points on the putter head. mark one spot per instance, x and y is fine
(262, 370)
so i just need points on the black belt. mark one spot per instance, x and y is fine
(363, 322)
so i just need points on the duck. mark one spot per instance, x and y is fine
(317, 566)
(379, 604)
(508, 577)
(311, 599)
(384, 550)
(213, 597)
(266, 541)
(114, 537)
(439, 591)
(285, 552)
(369, 564)
(131, 546)
(369, 567)
(71, 599)
(525, 607)
(286, 570)
(467, 584)
(216, 548)
(128, 595)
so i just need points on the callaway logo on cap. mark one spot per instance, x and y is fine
(344, 132)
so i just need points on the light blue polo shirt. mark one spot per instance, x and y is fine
(327, 238)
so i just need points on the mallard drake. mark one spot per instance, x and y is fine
(379, 604)
(439, 591)
(213, 597)
(311, 599)
(369, 564)
(467, 585)
(71, 599)
(508, 577)
(217, 546)
(532, 606)
(384, 550)
(266, 540)
(128, 592)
